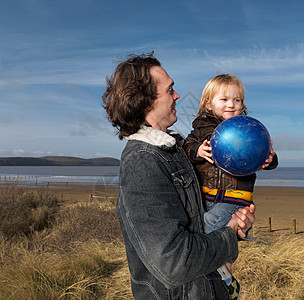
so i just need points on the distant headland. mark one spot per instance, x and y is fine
(58, 161)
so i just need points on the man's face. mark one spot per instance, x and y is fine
(162, 113)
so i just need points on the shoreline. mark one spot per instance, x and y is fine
(112, 180)
(281, 204)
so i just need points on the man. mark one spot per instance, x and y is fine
(159, 204)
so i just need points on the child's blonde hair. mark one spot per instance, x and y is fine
(213, 86)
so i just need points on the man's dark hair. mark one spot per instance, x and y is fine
(130, 91)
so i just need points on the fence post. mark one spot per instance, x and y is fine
(294, 226)
(269, 224)
(253, 230)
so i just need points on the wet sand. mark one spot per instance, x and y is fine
(281, 204)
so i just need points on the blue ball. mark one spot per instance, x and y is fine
(240, 145)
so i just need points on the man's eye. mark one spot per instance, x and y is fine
(171, 92)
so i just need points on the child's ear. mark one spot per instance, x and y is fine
(208, 105)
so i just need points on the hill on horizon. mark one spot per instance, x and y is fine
(58, 161)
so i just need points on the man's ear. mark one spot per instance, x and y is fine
(147, 114)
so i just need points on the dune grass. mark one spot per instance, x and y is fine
(91, 273)
(77, 254)
(272, 267)
(52, 249)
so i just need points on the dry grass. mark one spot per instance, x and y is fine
(81, 222)
(25, 211)
(75, 251)
(91, 273)
(272, 267)
(78, 255)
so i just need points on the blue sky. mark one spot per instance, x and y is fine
(55, 56)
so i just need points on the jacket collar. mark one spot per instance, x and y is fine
(157, 137)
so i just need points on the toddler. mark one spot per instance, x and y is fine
(223, 193)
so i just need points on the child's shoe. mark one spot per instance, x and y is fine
(234, 289)
(225, 274)
(249, 236)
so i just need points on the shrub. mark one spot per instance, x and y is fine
(82, 222)
(24, 211)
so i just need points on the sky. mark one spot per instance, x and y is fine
(55, 56)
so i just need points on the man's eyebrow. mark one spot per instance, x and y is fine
(170, 86)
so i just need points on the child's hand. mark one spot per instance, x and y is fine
(269, 159)
(204, 151)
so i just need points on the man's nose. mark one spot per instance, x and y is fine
(176, 96)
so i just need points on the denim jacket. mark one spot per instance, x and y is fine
(161, 217)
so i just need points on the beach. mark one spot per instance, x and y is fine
(281, 204)
(84, 239)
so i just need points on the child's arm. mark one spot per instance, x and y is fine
(204, 151)
(201, 132)
(193, 142)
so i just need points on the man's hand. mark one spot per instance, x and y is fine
(242, 220)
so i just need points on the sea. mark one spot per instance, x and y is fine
(109, 175)
(60, 175)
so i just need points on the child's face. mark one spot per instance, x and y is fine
(227, 103)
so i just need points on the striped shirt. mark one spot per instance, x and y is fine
(237, 197)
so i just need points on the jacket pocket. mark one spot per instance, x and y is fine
(184, 184)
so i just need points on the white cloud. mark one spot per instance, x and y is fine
(90, 67)
(289, 142)
(14, 152)
(289, 158)
(4, 121)
(18, 151)
(58, 74)
(263, 59)
(89, 124)
(261, 65)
